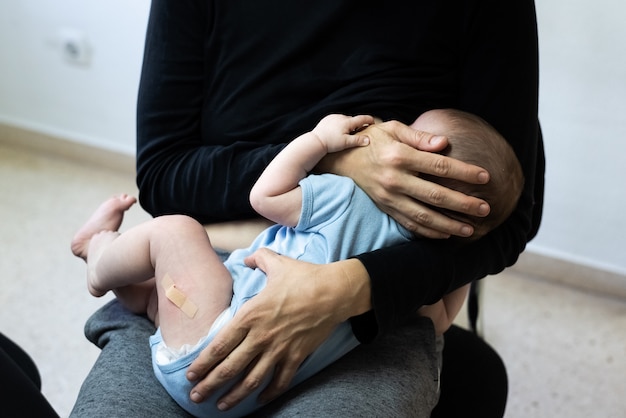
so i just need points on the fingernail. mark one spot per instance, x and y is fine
(196, 397)
(436, 140)
(466, 231)
(483, 209)
(192, 376)
(483, 177)
(222, 406)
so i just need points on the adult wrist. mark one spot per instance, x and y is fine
(356, 288)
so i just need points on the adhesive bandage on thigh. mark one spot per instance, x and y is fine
(178, 298)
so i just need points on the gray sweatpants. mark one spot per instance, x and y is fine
(395, 376)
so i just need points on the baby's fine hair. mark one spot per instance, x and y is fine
(472, 140)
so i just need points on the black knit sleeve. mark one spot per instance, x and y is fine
(179, 168)
(498, 80)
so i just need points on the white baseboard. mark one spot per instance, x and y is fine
(569, 273)
(53, 146)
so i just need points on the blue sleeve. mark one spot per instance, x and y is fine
(325, 198)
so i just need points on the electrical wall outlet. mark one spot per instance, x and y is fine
(75, 47)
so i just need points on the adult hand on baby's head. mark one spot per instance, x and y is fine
(389, 168)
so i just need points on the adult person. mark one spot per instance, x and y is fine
(320, 219)
(225, 84)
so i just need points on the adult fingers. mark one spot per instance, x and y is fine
(262, 259)
(429, 161)
(257, 374)
(218, 363)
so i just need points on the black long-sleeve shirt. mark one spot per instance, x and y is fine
(227, 83)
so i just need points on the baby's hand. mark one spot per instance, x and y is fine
(339, 132)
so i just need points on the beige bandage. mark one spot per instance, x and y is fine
(178, 298)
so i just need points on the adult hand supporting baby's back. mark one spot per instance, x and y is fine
(275, 331)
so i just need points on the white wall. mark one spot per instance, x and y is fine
(92, 103)
(582, 111)
(583, 91)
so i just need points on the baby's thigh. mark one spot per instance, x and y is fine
(139, 298)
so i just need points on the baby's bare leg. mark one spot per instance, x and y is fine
(176, 246)
(97, 238)
(98, 232)
(183, 256)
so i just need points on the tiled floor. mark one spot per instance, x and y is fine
(565, 350)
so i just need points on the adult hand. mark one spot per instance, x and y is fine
(389, 171)
(276, 330)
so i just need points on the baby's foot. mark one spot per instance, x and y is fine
(98, 243)
(108, 217)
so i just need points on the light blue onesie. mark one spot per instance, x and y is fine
(337, 221)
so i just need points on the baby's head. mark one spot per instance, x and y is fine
(474, 141)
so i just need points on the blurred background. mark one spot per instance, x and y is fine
(68, 83)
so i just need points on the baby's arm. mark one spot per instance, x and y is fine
(276, 194)
(443, 312)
